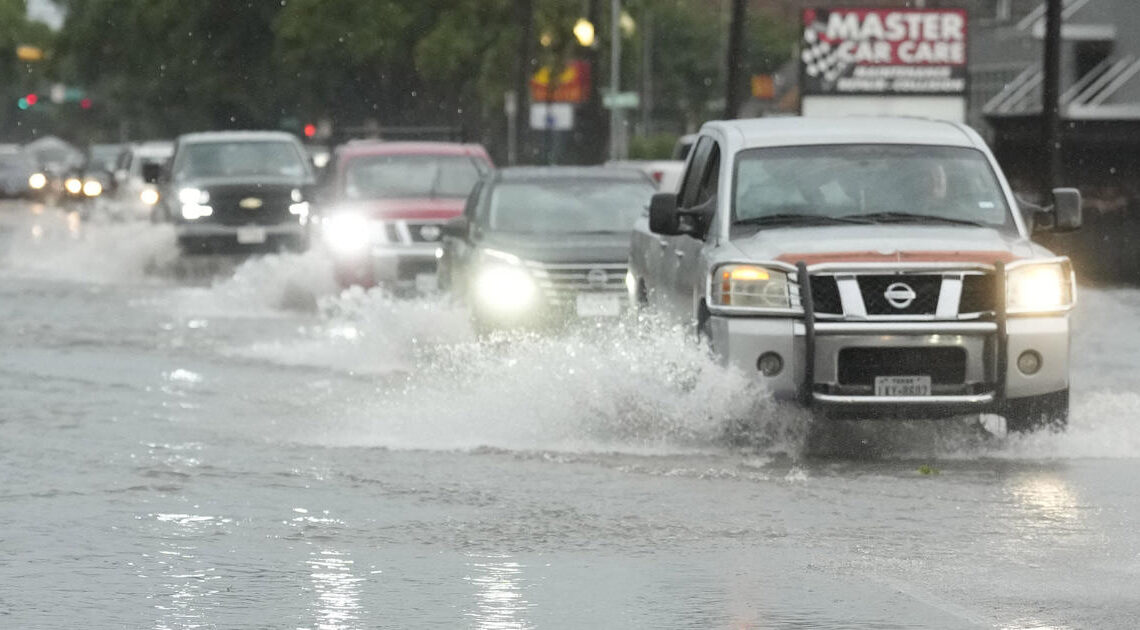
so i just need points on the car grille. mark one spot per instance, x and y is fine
(409, 232)
(979, 294)
(561, 283)
(926, 287)
(860, 366)
(825, 295)
(274, 208)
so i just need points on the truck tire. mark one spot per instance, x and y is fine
(1051, 411)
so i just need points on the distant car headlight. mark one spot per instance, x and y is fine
(504, 287)
(347, 233)
(37, 181)
(1039, 287)
(750, 286)
(92, 188)
(73, 185)
(148, 196)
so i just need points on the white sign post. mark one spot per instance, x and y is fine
(552, 116)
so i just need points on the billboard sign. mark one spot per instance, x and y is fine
(902, 52)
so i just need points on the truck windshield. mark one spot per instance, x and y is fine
(239, 159)
(571, 205)
(410, 176)
(868, 184)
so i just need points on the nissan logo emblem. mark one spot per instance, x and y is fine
(900, 295)
(430, 232)
(597, 278)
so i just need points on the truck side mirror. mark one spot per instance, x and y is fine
(151, 172)
(663, 214)
(1066, 209)
(457, 227)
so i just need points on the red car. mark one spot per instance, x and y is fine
(385, 204)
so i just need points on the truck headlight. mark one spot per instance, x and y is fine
(148, 196)
(1039, 287)
(37, 181)
(92, 188)
(347, 233)
(73, 185)
(750, 286)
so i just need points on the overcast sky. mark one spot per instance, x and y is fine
(45, 11)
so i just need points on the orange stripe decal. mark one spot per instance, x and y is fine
(981, 257)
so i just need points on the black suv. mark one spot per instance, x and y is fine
(539, 246)
(236, 192)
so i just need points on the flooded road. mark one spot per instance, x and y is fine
(245, 448)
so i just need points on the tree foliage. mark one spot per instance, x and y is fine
(160, 68)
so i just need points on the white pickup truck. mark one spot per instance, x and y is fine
(866, 268)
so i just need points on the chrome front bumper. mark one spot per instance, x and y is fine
(740, 341)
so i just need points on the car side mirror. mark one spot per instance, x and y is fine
(457, 227)
(1067, 215)
(151, 172)
(663, 213)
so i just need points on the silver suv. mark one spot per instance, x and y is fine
(866, 267)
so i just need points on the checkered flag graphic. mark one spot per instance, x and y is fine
(820, 59)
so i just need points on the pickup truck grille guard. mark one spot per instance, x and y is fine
(946, 318)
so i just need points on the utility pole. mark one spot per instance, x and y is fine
(593, 125)
(734, 61)
(524, 19)
(615, 78)
(1051, 96)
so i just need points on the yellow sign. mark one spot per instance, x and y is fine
(25, 52)
(763, 87)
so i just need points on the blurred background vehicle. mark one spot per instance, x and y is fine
(539, 246)
(20, 176)
(666, 174)
(132, 198)
(235, 192)
(383, 206)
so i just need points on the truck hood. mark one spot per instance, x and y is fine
(886, 243)
(564, 248)
(428, 209)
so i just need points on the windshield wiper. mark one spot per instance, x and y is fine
(908, 217)
(801, 219)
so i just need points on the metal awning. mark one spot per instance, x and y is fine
(1089, 98)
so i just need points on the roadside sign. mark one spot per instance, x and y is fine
(763, 87)
(571, 85)
(552, 116)
(859, 51)
(621, 100)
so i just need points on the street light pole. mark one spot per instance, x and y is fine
(735, 60)
(615, 77)
(1051, 95)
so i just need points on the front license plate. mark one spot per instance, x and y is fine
(250, 235)
(426, 282)
(902, 385)
(598, 305)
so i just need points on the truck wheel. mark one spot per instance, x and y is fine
(1024, 415)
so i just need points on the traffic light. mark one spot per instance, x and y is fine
(85, 103)
(32, 99)
(310, 130)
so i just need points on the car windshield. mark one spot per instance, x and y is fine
(238, 159)
(410, 176)
(868, 183)
(570, 205)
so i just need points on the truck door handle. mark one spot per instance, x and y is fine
(679, 253)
